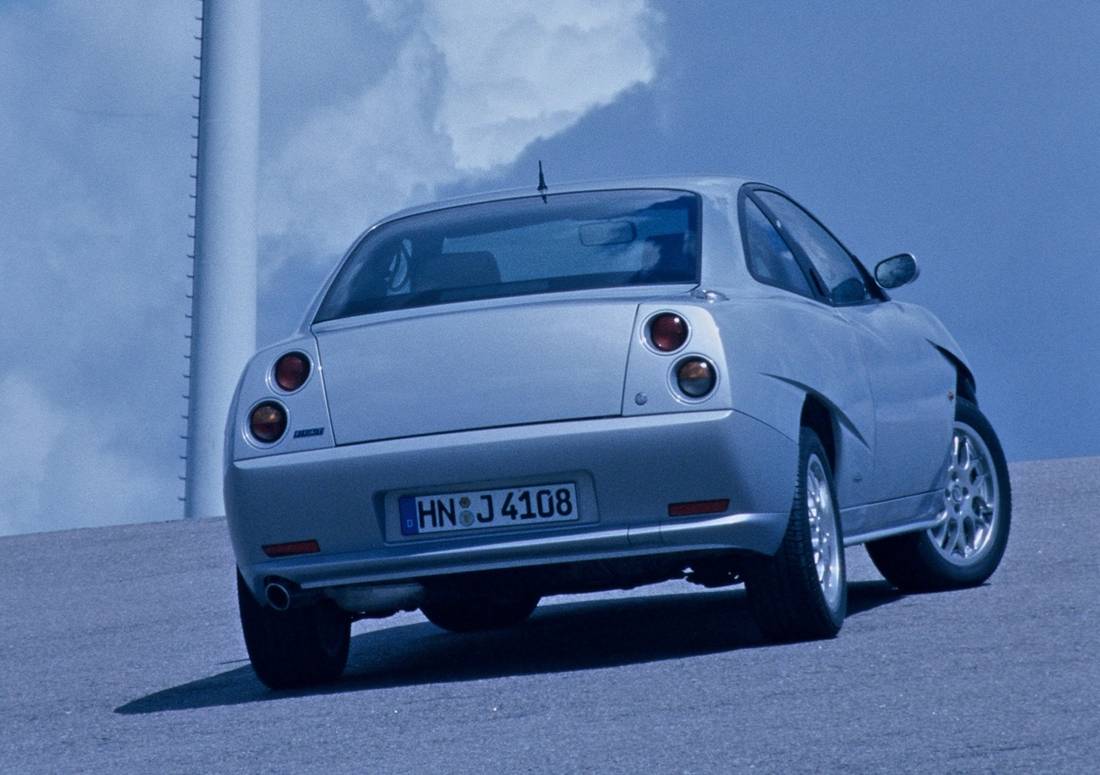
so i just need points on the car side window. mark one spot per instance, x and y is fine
(844, 283)
(769, 257)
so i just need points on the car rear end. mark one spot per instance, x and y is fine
(496, 387)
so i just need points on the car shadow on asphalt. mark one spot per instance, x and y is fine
(558, 638)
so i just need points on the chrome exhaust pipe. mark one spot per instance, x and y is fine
(278, 596)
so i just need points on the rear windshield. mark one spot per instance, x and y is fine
(568, 242)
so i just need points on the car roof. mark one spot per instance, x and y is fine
(702, 184)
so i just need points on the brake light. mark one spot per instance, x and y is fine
(292, 371)
(667, 332)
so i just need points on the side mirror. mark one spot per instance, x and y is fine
(896, 271)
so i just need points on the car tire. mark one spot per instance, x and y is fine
(801, 592)
(966, 547)
(302, 646)
(471, 610)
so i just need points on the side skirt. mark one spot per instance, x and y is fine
(886, 518)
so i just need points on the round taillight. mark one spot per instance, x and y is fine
(695, 377)
(267, 422)
(668, 332)
(291, 371)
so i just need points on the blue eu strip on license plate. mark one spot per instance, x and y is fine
(454, 512)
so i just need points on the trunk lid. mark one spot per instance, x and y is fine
(440, 371)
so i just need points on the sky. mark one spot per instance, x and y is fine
(964, 132)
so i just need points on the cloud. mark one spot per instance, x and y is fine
(31, 428)
(59, 469)
(95, 150)
(525, 71)
(472, 85)
(371, 155)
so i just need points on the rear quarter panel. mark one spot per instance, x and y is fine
(307, 408)
(780, 348)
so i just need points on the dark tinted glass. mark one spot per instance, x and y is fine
(843, 280)
(521, 246)
(770, 259)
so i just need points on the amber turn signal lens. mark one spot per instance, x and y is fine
(668, 332)
(267, 422)
(291, 371)
(695, 377)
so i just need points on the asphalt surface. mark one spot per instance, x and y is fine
(121, 653)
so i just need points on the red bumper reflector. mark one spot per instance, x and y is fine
(698, 507)
(294, 547)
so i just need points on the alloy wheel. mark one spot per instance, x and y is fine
(969, 518)
(821, 512)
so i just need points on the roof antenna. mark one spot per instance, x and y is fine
(543, 188)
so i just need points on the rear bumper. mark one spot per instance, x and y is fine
(627, 470)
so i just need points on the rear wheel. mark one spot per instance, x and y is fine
(801, 592)
(463, 609)
(298, 647)
(966, 545)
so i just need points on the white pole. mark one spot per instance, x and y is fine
(223, 325)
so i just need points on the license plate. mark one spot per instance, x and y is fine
(453, 512)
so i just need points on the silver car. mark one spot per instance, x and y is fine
(594, 387)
